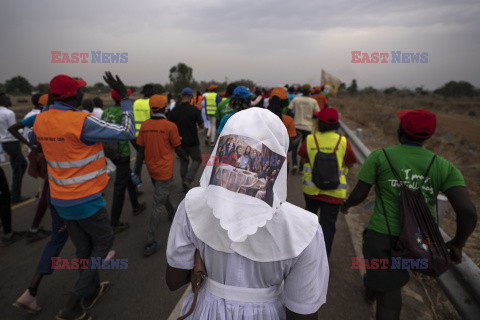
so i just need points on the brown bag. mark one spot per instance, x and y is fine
(420, 238)
(38, 164)
(196, 277)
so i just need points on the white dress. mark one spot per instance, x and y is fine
(304, 278)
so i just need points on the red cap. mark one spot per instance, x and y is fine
(418, 123)
(116, 96)
(63, 86)
(328, 115)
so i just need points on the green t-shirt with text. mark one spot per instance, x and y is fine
(114, 115)
(411, 163)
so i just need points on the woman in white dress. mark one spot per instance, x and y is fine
(262, 261)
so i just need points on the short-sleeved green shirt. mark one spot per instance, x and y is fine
(223, 109)
(114, 115)
(411, 163)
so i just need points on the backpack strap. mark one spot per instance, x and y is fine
(316, 142)
(338, 143)
(428, 170)
(397, 176)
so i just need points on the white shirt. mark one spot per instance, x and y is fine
(7, 119)
(305, 277)
(97, 112)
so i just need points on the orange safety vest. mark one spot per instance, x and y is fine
(198, 103)
(75, 170)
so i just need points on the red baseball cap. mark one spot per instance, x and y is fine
(116, 96)
(327, 115)
(418, 123)
(63, 86)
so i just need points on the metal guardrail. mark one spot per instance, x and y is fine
(461, 283)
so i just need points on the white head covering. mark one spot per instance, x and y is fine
(229, 221)
(241, 214)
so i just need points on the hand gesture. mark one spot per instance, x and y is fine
(116, 84)
(455, 252)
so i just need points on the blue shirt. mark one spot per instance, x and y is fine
(28, 122)
(223, 122)
(93, 130)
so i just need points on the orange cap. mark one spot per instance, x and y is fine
(157, 102)
(317, 89)
(212, 86)
(279, 92)
(43, 100)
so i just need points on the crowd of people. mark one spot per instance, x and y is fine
(265, 257)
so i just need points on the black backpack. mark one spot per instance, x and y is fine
(325, 174)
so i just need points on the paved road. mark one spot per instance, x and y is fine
(140, 292)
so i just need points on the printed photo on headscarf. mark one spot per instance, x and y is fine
(246, 166)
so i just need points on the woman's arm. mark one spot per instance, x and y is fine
(176, 278)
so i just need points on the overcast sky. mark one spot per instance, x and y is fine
(270, 42)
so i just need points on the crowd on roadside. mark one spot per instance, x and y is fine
(217, 229)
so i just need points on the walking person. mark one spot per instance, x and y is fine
(9, 236)
(71, 141)
(209, 104)
(410, 160)
(187, 117)
(12, 147)
(263, 260)
(158, 140)
(304, 107)
(120, 156)
(326, 203)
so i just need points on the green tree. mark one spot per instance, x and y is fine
(158, 88)
(342, 87)
(181, 76)
(42, 88)
(18, 85)
(353, 87)
(457, 89)
(390, 90)
(246, 83)
(100, 87)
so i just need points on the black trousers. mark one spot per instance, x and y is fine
(19, 165)
(327, 217)
(188, 174)
(123, 181)
(5, 210)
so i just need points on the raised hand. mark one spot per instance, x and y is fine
(116, 84)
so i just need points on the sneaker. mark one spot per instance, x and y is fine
(89, 303)
(69, 314)
(6, 241)
(28, 303)
(121, 226)
(139, 210)
(19, 199)
(38, 235)
(151, 248)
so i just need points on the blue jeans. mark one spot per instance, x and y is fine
(56, 243)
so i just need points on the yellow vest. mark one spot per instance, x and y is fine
(141, 112)
(211, 103)
(326, 142)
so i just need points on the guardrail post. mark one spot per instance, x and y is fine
(359, 132)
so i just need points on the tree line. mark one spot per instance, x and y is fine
(181, 76)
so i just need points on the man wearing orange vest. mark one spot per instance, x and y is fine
(72, 144)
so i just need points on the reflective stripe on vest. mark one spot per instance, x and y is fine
(326, 143)
(78, 163)
(211, 103)
(79, 179)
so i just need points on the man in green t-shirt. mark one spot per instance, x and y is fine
(123, 172)
(410, 160)
(223, 108)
